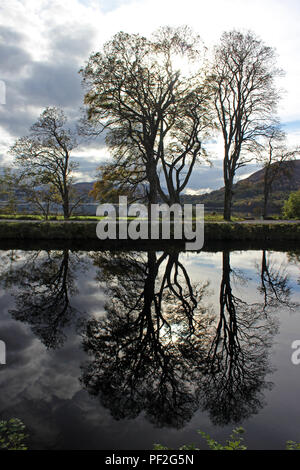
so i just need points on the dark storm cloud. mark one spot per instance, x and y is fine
(52, 85)
(12, 59)
(9, 35)
(32, 85)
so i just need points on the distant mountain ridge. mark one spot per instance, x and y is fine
(84, 187)
(248, 193)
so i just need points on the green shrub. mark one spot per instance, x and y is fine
(291, 207)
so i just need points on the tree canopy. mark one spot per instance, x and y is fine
(153, 104)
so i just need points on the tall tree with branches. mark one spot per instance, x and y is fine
(245, 98)
(155, 113)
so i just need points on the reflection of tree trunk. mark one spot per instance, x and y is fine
(264, 271)
(149, 291)
(64, 283)
(227, 303)
(226, 338)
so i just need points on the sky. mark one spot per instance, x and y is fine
(43, 44)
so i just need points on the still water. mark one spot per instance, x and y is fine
(121, 350)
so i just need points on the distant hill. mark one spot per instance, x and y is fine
(248, 194)
(84, 188)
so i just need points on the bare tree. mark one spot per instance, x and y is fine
(154, 116)
(45, 153)
(277, 160)
(245, 99)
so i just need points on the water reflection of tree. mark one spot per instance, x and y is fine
(42, 285)
(159, 349)
(142, 350)
(274, 284)
(294, 258)
(237, 362)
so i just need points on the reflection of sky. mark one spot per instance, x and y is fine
(42, 386)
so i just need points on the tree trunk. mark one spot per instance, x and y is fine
(152, 193)
(228, 183)
(47, 210)
(66, 202)
(227, 201)
(267, 186)
(66, 206)
(265, 209)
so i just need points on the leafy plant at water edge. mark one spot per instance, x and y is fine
(12, 435)
(234, 442)
(292, 445)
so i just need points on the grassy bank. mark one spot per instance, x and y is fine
(208, 217)
(230, 231)
(51, 217)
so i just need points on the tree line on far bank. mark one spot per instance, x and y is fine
(159, 102)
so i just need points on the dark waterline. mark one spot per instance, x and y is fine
(123, 349)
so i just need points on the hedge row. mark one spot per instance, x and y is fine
(19, 230)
